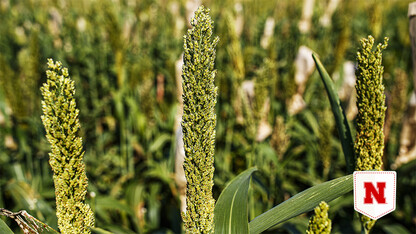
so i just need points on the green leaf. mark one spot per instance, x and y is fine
(109, 203)
(159, 142)
(339, 114)
(96, 230)
(302, 202)
(4, 228)
(230, 214)
(395, 228)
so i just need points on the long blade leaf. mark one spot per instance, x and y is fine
(302, 202)
(4, 228)
(230, 214)
(339, 114)
(96, 230)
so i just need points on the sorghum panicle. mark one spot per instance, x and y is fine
(60, 118)
(320, 222)
(198, 122)
(369, 141)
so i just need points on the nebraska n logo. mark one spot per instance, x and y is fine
(371, 191)
(374, 193)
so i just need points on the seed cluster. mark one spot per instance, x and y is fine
(369, 143)
(320, 222)
(198, 122)
(60, 118)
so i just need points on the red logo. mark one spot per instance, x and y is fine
(370, 192)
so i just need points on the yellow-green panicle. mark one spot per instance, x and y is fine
(320, 222)
(369, 141)
(60, 118)
(198, 122)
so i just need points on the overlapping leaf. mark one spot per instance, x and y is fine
(231, 214)
(339, 114)
(302, 202)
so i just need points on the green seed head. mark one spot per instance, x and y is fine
(198, 122)
(369, 143)
(320, 222)
(60, 118)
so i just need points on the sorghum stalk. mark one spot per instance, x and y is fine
(60, 118)
(326, 126)
(198, 122)
(265, 77)
(320, 222)
(369, 141)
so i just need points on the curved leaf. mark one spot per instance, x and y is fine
(230, 215)
(395, 228)
(302, 202)
(4, 228)
(96, 230)
(339, 114)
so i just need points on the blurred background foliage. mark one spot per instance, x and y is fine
(124, 56)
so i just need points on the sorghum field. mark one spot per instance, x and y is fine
(126, 61)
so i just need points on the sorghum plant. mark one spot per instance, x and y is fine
(198, 122)
(369, 141)
(60, 118)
